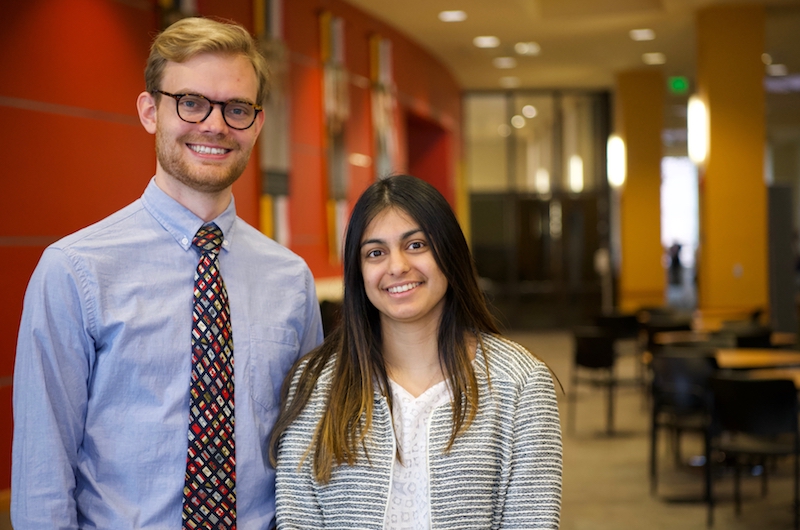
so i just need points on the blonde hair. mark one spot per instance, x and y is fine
(195, 35)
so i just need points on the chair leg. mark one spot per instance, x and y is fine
(737, 492)
(653, 455)
(797, 482)
(709, 482)
(571, 395)
(610, 411)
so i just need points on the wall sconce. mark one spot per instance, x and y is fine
(615, 161)
(697, 130)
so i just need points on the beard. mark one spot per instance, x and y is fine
(207, 177)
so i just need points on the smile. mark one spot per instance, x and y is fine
(204, 150)
(403, 288)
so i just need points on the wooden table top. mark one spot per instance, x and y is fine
(749, 358)
(792, 374)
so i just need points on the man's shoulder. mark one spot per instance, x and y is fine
(103, 233)
(251, 239)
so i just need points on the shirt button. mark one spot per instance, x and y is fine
(225, 242)
(185, 241)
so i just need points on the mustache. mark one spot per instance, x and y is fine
(219, 140)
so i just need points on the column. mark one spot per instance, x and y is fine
(638, 119)
(733, 258)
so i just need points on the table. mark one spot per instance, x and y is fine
(793, 374)
(750, 358)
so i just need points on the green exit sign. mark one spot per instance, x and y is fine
(678, 84)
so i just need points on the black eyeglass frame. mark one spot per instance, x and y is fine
(222, 104)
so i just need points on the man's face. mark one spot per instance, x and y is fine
(208, 156)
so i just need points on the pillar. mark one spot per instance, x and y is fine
(638, 119)
(733, 257)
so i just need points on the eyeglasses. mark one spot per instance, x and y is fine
(194, 108)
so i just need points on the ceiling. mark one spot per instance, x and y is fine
(583, 42)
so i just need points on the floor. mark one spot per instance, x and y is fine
(605, 477)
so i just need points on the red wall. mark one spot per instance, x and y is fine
(70, 72)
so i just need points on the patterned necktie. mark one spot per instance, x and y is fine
(209, 492)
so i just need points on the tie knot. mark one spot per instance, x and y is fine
(208, 239)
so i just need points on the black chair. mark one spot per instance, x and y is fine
(593, 364)
(620, 325)
(680, 390)
(756, 419)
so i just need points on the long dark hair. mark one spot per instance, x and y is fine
(356, 344)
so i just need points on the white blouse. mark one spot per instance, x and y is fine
(409, 498)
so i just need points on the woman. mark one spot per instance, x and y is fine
(414, 413)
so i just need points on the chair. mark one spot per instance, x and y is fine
(752, 418)
(593, 363)
(680, 389)
(620, 325)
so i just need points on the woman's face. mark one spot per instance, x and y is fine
(401, 276)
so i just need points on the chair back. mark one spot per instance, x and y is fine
(594, 348)
(681, 380)
(761, 407)
(620, 325)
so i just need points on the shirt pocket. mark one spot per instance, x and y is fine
(273, 350)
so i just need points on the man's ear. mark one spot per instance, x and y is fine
(146, 105)
(259, 122)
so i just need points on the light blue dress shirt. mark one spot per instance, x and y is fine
(101, 381)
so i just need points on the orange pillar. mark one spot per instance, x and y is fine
(733, 262)
(639, 118)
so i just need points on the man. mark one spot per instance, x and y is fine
(138, 332)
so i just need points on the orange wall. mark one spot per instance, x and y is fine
(70, 72)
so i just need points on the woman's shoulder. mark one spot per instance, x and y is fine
(305, 368)
(509, 360)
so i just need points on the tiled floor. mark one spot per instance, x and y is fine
(605, 478)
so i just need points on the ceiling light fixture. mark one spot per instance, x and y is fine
(529, 111)
(642, 34)
(453, 16)
(486, 41)
(766, 58)
(510, 82)
(527, 48)
(518, 121)
(654, 58)
(504, 62)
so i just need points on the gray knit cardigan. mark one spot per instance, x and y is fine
(504, 472)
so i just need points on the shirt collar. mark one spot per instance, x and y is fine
(180, 222)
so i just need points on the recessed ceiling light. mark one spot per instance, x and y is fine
(529, 111)
(509, 81)
(777, 69)
(503, 130)
(643, 34)
(527, 48)
(654, 58)
(504, 62)
(518, 122)
(766, 58)
(486, 41)
(452, 16)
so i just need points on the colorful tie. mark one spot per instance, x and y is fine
(209, 493)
